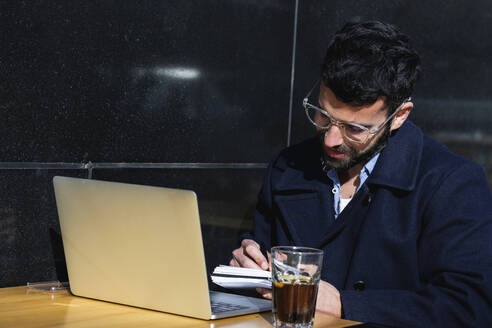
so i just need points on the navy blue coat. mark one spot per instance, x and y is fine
(414, 246)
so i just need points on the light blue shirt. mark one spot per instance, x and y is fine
(364, 174)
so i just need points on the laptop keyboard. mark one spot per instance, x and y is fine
(220, 307)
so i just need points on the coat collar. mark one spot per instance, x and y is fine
(398, 165)
(301, 167)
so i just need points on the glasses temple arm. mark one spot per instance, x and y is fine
(391, 116)
(312, 89)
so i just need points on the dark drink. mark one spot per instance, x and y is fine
(294, 299)
(296, 273)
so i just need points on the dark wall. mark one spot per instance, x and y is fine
(196, 94)
(453, 99)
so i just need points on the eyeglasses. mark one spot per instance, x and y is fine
(352, 131)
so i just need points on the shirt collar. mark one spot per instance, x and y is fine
(371, 164)
(366, 169)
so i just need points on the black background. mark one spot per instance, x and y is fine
(96, 88)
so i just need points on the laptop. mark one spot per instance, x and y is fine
(140, 246)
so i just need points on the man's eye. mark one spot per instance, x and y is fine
(354, 129)
(323, 117)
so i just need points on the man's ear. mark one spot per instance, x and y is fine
(401, 116)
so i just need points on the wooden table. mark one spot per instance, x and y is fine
(28, 308)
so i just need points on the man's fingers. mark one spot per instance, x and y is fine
(249, 255)
(246, 262)
(254, 252)
(242, 260)
(264, 292)
(233, 263)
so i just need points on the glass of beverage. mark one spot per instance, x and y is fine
(295, 273)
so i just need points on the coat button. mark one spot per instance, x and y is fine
(359, 285)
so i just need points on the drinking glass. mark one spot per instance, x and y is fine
(295, 273)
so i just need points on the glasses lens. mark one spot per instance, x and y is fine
(317, 117)
(352, 132)
(355, 133)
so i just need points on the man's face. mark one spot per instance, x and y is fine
(341, 153)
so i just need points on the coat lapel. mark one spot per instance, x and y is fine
(305, 216)
(399, 161)
(303, 195)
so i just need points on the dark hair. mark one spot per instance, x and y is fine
(368, 60)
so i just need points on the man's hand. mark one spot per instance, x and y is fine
(329, 301)
(264, 292)
(249, 256)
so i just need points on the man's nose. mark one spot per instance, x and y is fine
(333, 136)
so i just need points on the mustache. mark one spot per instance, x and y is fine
(353, 156)
(342, 148)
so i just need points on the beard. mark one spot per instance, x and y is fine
(352, 155)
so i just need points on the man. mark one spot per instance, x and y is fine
(405, 225)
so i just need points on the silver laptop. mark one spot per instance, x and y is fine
(140, 246)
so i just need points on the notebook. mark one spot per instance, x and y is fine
(140, 246)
